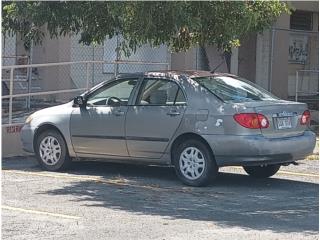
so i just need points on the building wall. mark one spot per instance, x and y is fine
(247, 58)
(81, 52)
(216, 59)
(263, 53)
(262, 58)
(279, 58)
(209, 59)
(307, 80)
(50, 78)
(183, 60)
(273, 70)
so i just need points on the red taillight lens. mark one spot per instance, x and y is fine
(251, 120)
(305, 118)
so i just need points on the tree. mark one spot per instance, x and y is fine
(180, 25)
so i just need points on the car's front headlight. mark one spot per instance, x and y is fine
(29, 119)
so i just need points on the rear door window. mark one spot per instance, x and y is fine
(160, 92)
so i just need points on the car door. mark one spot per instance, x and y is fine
(99, 128)
(153, 119)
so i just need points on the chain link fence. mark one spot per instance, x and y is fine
(85, 67)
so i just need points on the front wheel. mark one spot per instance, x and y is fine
(51, 151)
(194, 163)
(262, 171)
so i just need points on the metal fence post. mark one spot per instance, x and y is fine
(271, 60)
(118, 57)
(87, 76)
(10, 93)
(92, 75)
(297, 85)
(29, 81)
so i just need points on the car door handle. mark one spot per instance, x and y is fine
(173, 113)
(119, 113)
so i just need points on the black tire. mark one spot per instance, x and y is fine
(63, 159)
(262, 171)
(210, 169)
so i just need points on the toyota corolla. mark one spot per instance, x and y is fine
(194, 120)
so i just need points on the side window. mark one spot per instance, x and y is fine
(160, 92)
(180, 99)
(120, 90)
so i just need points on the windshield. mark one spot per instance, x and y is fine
(234, 89)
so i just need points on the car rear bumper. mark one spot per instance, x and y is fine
(230, 150)
(26, 137)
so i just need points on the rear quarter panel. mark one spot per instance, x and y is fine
(207, 115)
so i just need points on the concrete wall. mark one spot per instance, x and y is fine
(312, 6)
(279, 61)
(262, 59)
(50, 78)
(53, 50)
(183, 60)
(283, 73)
(11, 144)
(312, 62)
(216, 58)
(247, 58)
(272, 64)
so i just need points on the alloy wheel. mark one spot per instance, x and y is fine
(50, 150)
(192, 163)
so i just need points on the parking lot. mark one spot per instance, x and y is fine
(115, 201)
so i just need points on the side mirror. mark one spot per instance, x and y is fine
(79, 101)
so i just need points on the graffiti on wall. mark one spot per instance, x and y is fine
(298, 48)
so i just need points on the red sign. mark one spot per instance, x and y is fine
(14, 129)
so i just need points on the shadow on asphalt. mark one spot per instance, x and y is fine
(233, 200)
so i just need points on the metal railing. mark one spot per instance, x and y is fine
(28, 74)
(87, 67)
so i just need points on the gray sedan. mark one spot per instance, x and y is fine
(194, 120)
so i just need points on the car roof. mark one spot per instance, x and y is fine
(173, 74)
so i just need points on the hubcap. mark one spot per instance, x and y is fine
(50, 150)
(192, 163)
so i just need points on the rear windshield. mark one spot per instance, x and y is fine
(234, 89)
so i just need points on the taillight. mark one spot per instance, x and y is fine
(251, 120)
(305, 118)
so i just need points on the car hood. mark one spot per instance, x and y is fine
(56, 110)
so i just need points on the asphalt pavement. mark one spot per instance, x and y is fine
(96, 200)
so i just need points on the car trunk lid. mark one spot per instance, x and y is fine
(283, 116)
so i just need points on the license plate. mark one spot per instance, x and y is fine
(284, 123)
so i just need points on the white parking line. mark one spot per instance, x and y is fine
(292, 173)
(299, 174)
(39, 212)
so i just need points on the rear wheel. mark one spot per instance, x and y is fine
(262, 171)
(194, 163)
(51, 151)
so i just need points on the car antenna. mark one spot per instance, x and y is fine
(217, 66)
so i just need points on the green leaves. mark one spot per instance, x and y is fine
(180, 25)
